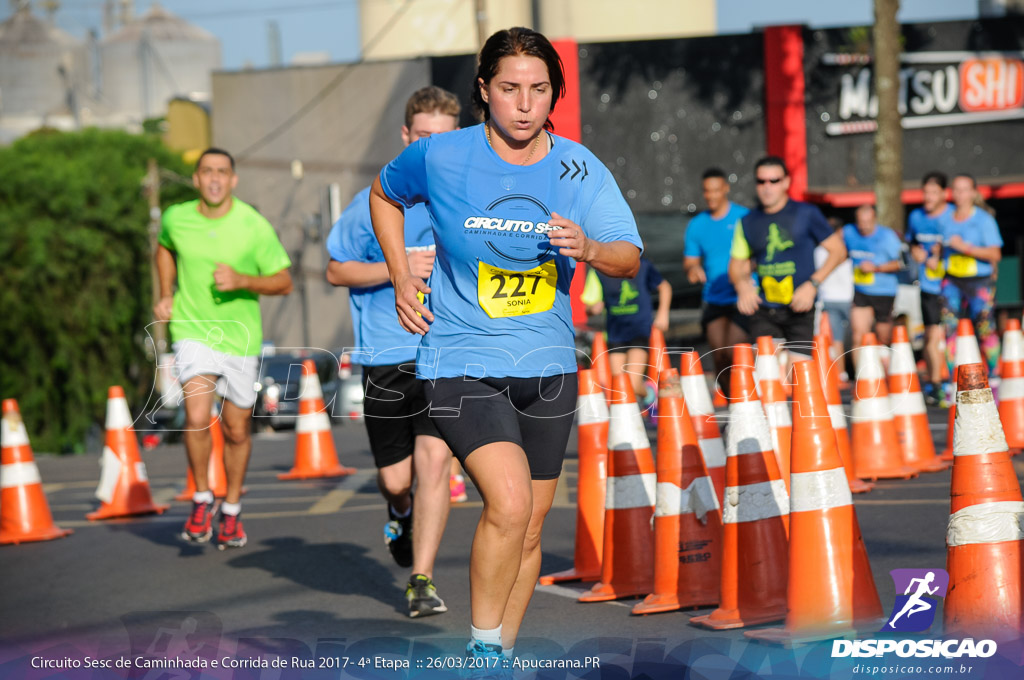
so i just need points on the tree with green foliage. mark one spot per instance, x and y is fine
(75, 284)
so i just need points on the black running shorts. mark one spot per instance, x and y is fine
(931, 309)
(882, 304)
(395, 411)
(533, 413)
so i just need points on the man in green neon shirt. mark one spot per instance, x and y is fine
(223, 255)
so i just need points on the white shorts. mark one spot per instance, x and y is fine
(236, 375)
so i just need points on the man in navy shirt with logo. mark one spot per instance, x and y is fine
(706, 260)
(779, 239)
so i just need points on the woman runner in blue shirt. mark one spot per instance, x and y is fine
(514, 208)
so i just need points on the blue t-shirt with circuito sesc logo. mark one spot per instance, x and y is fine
(711, 240)
(782, 244)
(499, 290)
(926, 231)
(879, 247)
(379, 339)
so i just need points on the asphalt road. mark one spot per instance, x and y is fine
(317, 585)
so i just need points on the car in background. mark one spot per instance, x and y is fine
(277, 388)
(349, 402)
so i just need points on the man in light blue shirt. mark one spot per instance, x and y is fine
(405, 444)
(706, 260)
(924, 234)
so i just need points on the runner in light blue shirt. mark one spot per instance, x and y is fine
(709, 238)
(875, 253)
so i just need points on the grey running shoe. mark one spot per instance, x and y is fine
(422, 597)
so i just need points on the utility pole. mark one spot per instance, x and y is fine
(481, 21)
(152, 190)
(889, 137)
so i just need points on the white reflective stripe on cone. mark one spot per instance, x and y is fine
(631, 491)
(875, 408)
(967, 351)
(626, 430)
(902, 362)
(713, 451)
(140, 472)
(778, 414)
(593, 408)
(766, 368)
(869, 363)
(752, 502)
(748, 429)
(1011, 388)
(1013, 346)
(309, 388)
(907, 404)
(977, 429)
(18, 474)
(697, 395)
(118, 415)
(110, 472)
(697, 499)
(12, 432)
(313, 422)
(838, 416)
(986, 523)
(819, 490)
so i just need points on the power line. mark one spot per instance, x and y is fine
(325, 91)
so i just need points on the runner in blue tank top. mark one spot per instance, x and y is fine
(924, 234)
(514, 208)
(404, 441)
(875, 252)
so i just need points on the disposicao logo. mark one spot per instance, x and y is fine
(914, 612)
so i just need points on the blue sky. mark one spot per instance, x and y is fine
(332, 26)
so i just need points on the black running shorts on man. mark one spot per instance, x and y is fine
(536, 414)
(882, 304)
(395, 411)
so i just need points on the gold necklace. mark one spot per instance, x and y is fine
(536, 141)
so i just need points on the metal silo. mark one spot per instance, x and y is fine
(42, 68)
(154, 58)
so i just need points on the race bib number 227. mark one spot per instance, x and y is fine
(502, 293)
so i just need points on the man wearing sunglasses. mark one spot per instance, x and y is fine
(778, 239)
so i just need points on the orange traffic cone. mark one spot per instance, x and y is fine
(910, 417)
(876, 450)
(627, 566)
(1011, 388)
(984, 538)
(825, 328)
(829, 373)
(830, 582)
(592, 431)
(698, 402)
(965, 351)
(24, 513)
(602, 364)
(718, 400)
(776, 405)
(124, 486)
(756, 517)
(687, 518)
(216, 475)
(315, 456)
(657, 357)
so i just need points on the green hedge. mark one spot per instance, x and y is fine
(75, 271)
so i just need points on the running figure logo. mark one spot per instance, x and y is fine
(775, 242)
(627, 293)
(914, 610)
